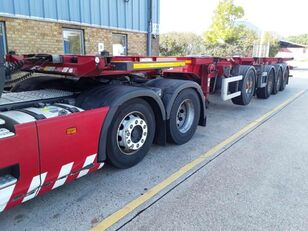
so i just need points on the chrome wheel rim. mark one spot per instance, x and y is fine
(185, 116)
(132, 133)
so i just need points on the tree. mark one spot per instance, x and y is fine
(181, 44)
(243, 46)
(301, 39)
(227, 37)
(223, 28)
(273, 43)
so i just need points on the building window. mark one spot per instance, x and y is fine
(73, 41)
(119, 44)
(3, 38)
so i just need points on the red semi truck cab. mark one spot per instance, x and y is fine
(67, 115)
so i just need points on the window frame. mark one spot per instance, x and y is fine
(4, 39)
(126, 42)
(82, 40)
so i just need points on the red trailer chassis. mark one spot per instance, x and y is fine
(56, 129)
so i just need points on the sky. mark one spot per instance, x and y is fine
(284, 17)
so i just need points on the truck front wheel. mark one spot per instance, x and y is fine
(184, 117)
(131, 134)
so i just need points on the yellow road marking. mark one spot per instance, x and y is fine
(131, 206)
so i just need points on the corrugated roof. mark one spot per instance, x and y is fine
(284, 44)
(122, 14)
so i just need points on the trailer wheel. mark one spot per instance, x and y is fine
(131, 134)
(278, 81)
(265, 92)
(285, 79)
(184, 117)
(246, 86)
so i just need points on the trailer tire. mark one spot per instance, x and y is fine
(278, 80)
(131, 134)
(265, 92)
(184, 117)
(249, 80)
(285, 79)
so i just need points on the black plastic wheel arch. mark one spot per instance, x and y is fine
(170, 90)
(115, 95)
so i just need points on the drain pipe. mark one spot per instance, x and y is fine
(2, 68)
(150, 22)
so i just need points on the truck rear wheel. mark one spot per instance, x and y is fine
(131, 134)
(184, 117)
(265, 92)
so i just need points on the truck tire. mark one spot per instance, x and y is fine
(278, 81)
(285, 79)
(265, 92)
(184, 117)
(247, 86)
(131, 134)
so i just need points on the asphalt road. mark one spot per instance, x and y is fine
(258, 183)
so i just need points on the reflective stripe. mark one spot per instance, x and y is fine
(101, 165)
(137, 66)
(35, 186)
(64, 173)
(5, 196)
(89, 161)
